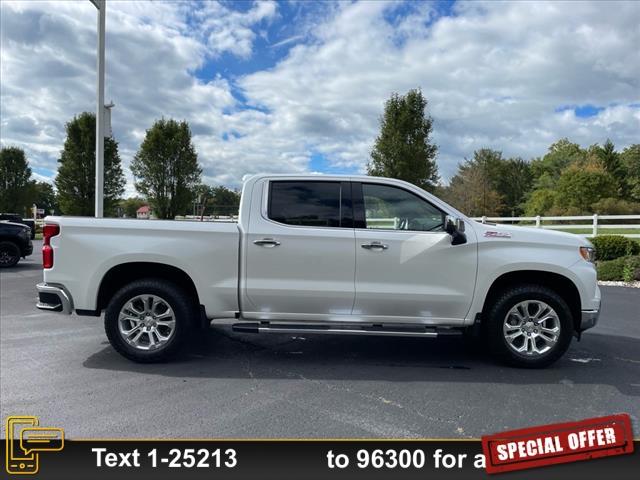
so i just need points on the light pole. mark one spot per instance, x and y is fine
(101, 5)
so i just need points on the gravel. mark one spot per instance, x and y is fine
(634, 284)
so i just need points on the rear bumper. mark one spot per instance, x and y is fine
(54, 298)
(589, 319)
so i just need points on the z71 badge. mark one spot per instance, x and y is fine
(494, 234)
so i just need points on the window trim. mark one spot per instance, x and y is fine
(345, 201)
(360, 220)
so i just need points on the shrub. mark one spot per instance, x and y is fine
(611, 270)
(615, 206)
(609, 247)
(631, 269)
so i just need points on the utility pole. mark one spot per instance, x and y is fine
(99, 190)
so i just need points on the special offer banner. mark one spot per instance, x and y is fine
(594, 448)
(558, 443)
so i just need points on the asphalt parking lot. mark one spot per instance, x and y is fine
(230, 385)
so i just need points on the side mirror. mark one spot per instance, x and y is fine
(454, 226)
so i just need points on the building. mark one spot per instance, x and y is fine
(144, 212)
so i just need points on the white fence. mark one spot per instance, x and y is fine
(593, 223)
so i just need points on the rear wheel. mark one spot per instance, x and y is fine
(529, 326)
(149, 320)
(9, 254)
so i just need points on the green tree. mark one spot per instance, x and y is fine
(403, 149)
(219, 200)
(547, 170)
(14, 180)
(540, 202)
(43, 196)
(514, 183)
(630, 158)
(510, 178)
(581, 186)
(610, 160)
(75, 181)
(166, 168)
(471, 189)
(615, 206)
(225, 201)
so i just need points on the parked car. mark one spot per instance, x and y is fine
(15, 218)
(325, 254)
(15, 243)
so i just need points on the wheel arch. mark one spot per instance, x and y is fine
(562, 285)
(125, 273)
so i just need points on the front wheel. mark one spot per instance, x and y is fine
(149, 320)
(529, 326)
(9, 254)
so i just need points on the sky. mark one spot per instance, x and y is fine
(300, 86)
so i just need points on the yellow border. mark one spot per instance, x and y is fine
(280, 439)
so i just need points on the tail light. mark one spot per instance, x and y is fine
(48, 231)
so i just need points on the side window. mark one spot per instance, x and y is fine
(393, 208)
(302, 203)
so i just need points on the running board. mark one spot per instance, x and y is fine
(388, 330)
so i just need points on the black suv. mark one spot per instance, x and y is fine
(15, 242)
(15, 218)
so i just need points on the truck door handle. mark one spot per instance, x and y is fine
(375, 245)
(267, 242)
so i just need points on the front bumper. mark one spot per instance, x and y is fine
(54, 298)
(28, 250)
(589, 319)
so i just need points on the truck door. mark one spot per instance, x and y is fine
(300, 251)
(406, 267)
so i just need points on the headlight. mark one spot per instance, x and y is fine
(588, 253)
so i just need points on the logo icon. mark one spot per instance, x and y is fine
(25, 440)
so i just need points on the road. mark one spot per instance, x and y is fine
(62, 369)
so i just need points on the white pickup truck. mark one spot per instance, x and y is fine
(325, 254)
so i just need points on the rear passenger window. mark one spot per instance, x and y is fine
(311, 204)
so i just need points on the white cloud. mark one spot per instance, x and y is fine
(495, 74)
(225, 30)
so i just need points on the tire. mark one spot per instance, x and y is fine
(132, 301)
(9, 254)
(509, 328)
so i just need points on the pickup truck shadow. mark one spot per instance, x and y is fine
(220, 353)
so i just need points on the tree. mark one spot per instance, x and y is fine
(43, 196)
(515, 182)
(510, 178)
(166, 168)
(75, 181)
(540, 202)
(225, 201)
(630, 158)
(580, 187)
(547, 170)
(471, 190)
(218, 200)
(403, 149)
(14, 180)
(610, 161)
(615, 206)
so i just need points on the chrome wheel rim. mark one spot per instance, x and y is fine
(147, 322)
(531, 328)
